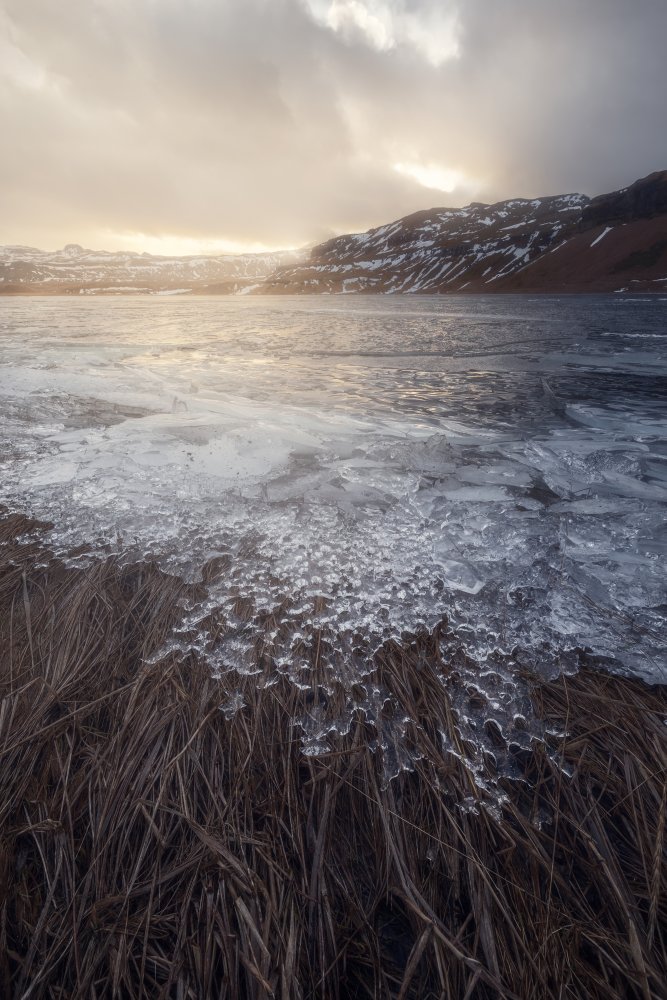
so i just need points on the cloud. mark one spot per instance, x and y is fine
(278, 122)
(431, 29)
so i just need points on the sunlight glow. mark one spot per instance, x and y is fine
(169, 245)
(431, 176)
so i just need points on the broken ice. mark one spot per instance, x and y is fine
(358, 471)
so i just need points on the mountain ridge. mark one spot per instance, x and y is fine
(77, 270)
(557, 243)
(516, 245)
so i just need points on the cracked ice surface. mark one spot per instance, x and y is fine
(360, 468)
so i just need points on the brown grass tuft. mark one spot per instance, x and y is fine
(151, 847)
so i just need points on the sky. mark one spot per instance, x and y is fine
(189, 126)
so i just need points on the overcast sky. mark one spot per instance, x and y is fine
(188, 125)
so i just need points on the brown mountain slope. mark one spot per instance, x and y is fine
(568, 243)
(631, 256)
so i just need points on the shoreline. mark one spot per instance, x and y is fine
(152, 843)
(140, 293)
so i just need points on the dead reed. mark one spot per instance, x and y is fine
(152, 847)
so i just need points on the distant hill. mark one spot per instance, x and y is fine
(562, 243)
(74, 271)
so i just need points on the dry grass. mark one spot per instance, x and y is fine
(151, 847)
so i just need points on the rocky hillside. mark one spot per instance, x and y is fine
(567, 243)
(78, 271)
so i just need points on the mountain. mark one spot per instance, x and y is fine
(567, 243)
(73, 270)
(562, 243)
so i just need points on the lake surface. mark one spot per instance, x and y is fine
(501, 461)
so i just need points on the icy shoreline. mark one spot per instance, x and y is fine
(394, 488)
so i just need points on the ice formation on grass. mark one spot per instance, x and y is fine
(344, 474)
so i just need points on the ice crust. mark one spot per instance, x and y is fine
(358, 473)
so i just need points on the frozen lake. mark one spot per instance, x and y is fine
(499, 461)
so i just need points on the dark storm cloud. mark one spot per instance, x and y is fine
(279, 121)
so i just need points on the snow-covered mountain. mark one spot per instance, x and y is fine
(443, 249)
(75, 270)
(563, 243)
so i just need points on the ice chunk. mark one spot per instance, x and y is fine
(459, 575)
